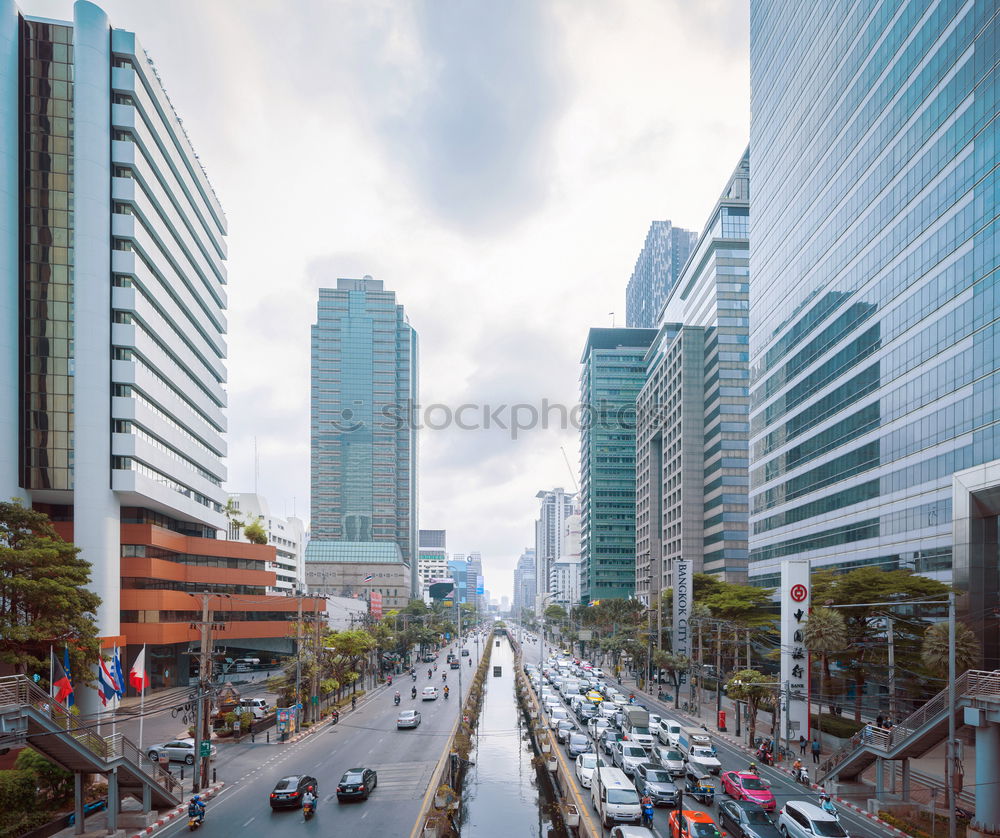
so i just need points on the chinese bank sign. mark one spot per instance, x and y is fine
(795, 599)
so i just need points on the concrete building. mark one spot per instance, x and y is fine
(286, 535)
(113, 340)
(613, 374)
(342, 568)
(554, 506)
(660, 262)
(874, 300)
(364, 444)
(691, 438)
(524, 583)
(564, 573)
(432, 560)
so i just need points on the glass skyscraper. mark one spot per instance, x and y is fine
(657, 268)
(612, 376)
(364, 446)
(873, 294)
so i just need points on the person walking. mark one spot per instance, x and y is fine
(802, 745)
(815, 750)
(354, 702)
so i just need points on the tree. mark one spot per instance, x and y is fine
(866, 648)
(44, 600)
(753, 687)
(255, 533)
(674, 665)
(935, 649)
(825, 634)
(54, 781)
(555, 612)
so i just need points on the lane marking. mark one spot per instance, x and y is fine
(250, 821)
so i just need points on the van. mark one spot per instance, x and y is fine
(692, 737)
(670, 732)
(799, 819)
(614, 797)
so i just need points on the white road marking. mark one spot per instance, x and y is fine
(250, 821)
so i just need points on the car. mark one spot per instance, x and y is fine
(177, 750)
(597, 726)
(408, 718)
(687, 823)
(608, 709)
(465, 653)
(655, 781)
(627, 756)
(563, 728)
(578, 744)
(556, 715)
(608, 740)
(288, 791)
(455, 664)
(429, 658)
(799, 819)
(746, 819)
(429, 694)
(632, 832)
(356, 784)
(742, 785)
(669, 758)
(704, 758)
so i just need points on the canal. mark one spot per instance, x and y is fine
(506, 792)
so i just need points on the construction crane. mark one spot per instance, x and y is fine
(570, 469)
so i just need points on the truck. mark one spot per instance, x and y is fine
(635, 727)
(691, 737)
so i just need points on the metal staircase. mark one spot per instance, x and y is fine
(916, 734)
(28, 715)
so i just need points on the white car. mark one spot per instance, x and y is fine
(597, 727)
(429, 694)
(177, 750)
(556, 715)
(586, 764)
(608, 709)
(704, 758)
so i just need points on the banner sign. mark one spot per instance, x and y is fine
(376, 605)
(795, 600)
(683, 594)
(480, 585)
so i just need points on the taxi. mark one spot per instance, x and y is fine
(594, 696)
(687, 823)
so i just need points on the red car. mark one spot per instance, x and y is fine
(691, 824)
(742, 785)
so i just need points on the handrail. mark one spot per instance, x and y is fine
(21, 690)
(970, 683)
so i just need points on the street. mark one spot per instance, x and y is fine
(405, 761)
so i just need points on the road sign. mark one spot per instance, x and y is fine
(206, 748)
(315, 699)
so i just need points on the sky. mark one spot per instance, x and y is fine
(497, 165)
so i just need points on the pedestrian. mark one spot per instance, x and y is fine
(880, 721)
(802, 744)
(815, 750)
(354, 702)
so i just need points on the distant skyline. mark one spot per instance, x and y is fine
(497, 166)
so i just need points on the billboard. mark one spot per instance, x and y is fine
(376, 605)
(480, 586)
(440, 588)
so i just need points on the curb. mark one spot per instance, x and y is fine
(208, 794)
(326, 722)
(813, 786)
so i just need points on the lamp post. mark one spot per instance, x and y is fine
(541, 631)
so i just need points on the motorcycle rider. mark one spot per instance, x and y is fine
(309, 799)
(196, 808)
(752, 769)
(647, 810)
(444, 676)
(397, 697)
(826, 804)
(446, 690)
(413, 692)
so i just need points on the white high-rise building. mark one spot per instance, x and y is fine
(555, 506)
(564, 576)
(286, 535)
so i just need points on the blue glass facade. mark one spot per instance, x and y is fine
(873, 292)
(364, 446)
(660, 263)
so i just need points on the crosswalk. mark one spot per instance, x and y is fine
(402, 780)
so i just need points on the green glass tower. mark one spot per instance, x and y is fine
(613, 374)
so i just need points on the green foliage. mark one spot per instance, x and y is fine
(53, 780)
(839, 726)
(44, 596)
(935, 649)
(246, 720)
(555, 612)
(255, 533)
(825, 634)
(17, 799)
(753, 687)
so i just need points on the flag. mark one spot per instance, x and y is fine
(117, 671)
(62, 684)
(368, 578)
(137, 675)
(70, 699)
(107, 687)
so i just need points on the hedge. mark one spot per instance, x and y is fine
(839, 726)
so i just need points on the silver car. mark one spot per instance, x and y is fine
(177, 750)
(408, 718)
(670, 758)
(627, 756)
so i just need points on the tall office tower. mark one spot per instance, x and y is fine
(476, 580)
(432, 561)
(612, 376)
(524, 583)
(660, 262)
(364, 446)
(112, 336)
(554, 507)
(873, 296)
(691, 438)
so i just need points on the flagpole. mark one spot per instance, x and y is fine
(52, 671)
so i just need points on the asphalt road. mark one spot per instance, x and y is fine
(404, 759)
(732, 759)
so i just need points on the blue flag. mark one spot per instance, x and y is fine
(69, 677)
(119, 675)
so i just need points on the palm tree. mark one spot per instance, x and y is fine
(825, 633)
(935, 649)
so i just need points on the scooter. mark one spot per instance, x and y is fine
(803, 776)
(647, 814)
(194, 821)
(308, 810)
(395, 699)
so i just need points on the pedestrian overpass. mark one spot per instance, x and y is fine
(29, 716)
(977, 703)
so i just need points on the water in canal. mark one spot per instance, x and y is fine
(504, 793)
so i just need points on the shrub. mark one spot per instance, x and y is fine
(17, 790)
(839, 726)
(53, 780)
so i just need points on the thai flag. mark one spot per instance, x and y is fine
(107, 687)
(368, 578)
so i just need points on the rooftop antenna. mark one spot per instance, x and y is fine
(256, 465)
(611, 314)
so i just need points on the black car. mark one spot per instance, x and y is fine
(746, 819)
(465, 653)
(356, 784)
(455, 664)
(288, 792)
(655, 780)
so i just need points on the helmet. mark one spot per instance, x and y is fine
(753, 764)
(196, 798)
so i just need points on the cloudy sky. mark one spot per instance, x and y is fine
(496, 164)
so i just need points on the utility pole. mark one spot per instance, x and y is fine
(950, 769)
(718, 669)
(701, 661)
(298, 663)
(460, 661)
(314, 692)
(892, 669)
(748, 650)
(202, 729)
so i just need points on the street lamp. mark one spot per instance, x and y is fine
(541, 614)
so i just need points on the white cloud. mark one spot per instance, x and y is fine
(497, 165)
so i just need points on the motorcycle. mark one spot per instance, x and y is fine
(396, 699)
(647, 815)
(308, 810)
(194, 821)
(446, 692)
(802, 776)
